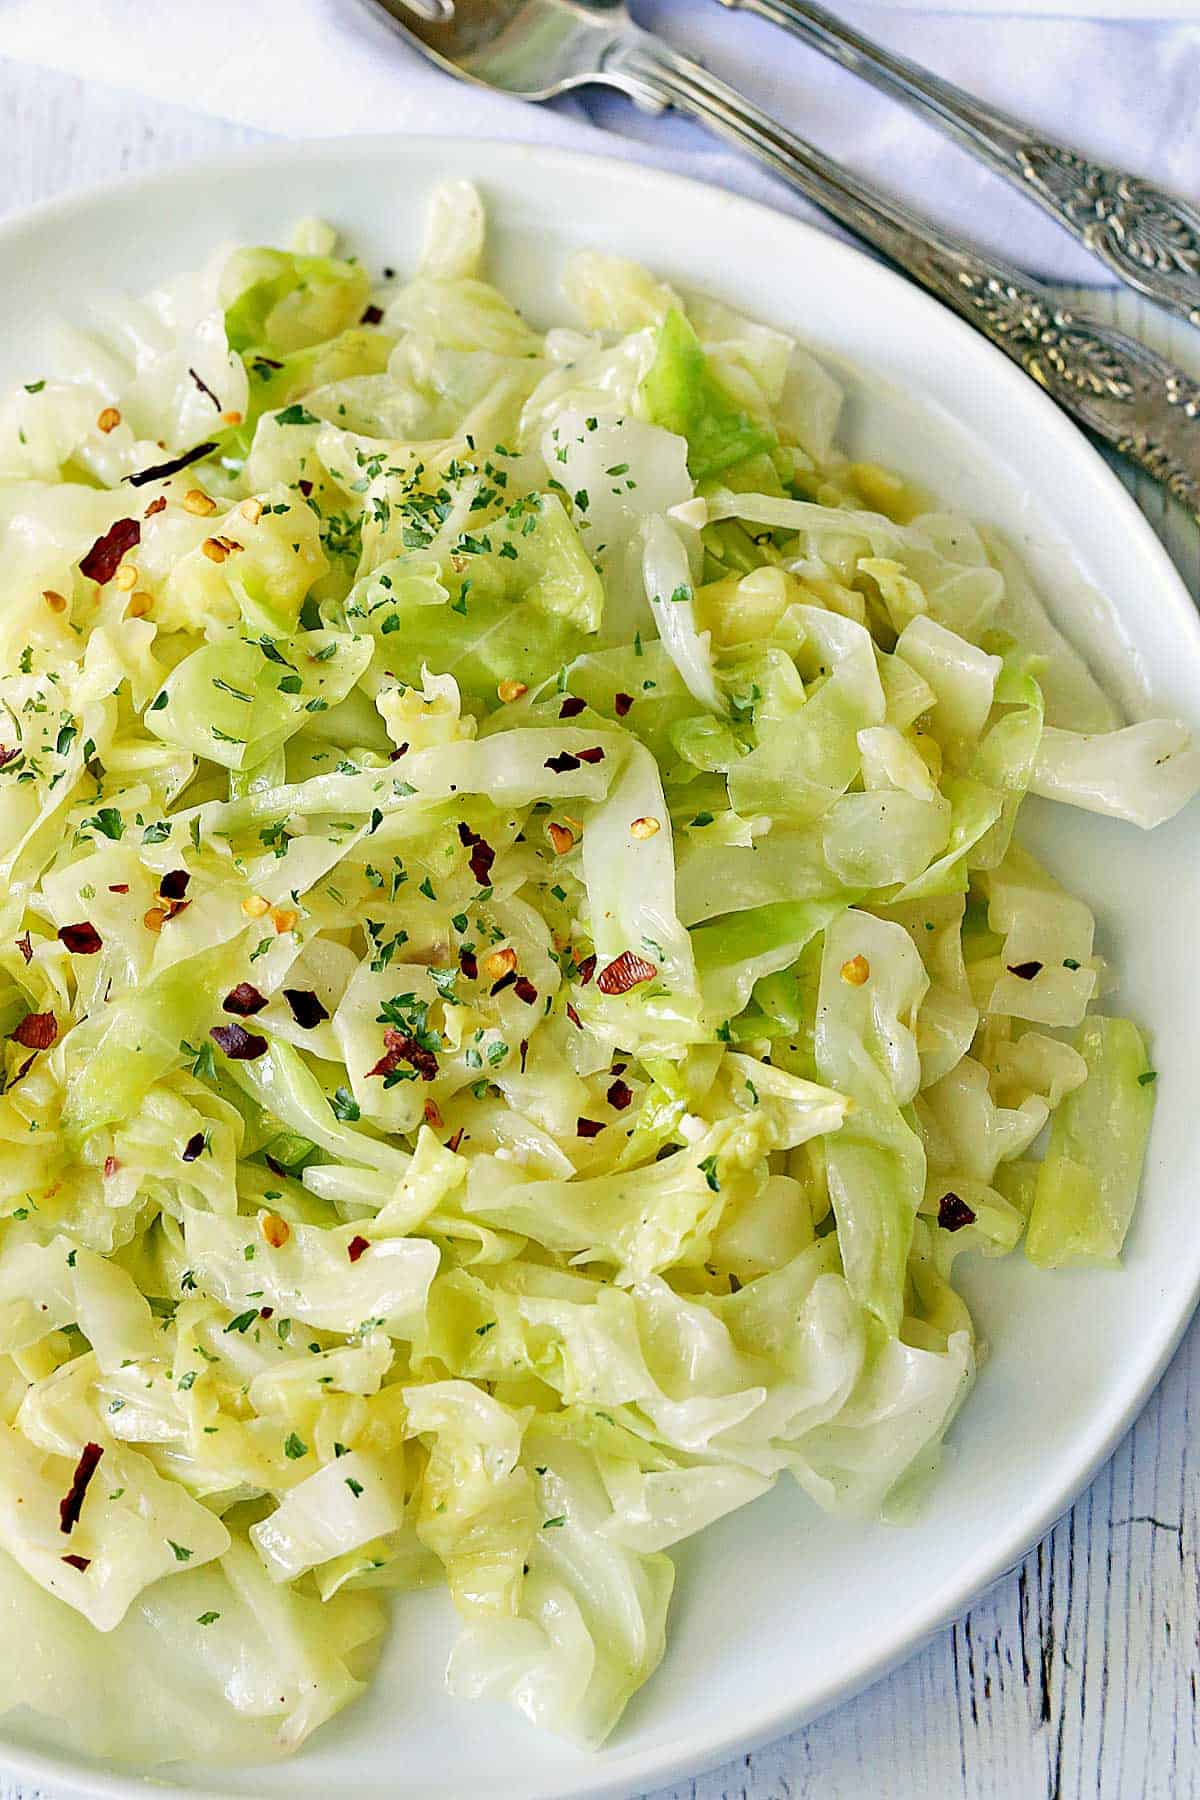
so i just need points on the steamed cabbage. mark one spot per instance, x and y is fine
(518, 980)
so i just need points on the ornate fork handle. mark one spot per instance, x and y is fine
(1148, 238)
(1129, 396)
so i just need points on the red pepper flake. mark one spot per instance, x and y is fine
(82, 939)
(305, 1007)
(164, 910)
(174, 884)
(356, 1247)
(118, 887)
(465, 835)
(204, 388)
(244, 1000)
(239, 1044)
(1026, 970)
(398, 752)
(160, 471)
(576, 1021)
(402, 1049)
(571, 707)
(389, 1061)
(622, 704)
(561, 764)
(71, 1504)
(372, 316)
(194, 1147)
(102, 560)
(953, 1212)
(505, 981)
(626, 971)
(266, 1312)
(25, 946)
(619, 1095)
(524, 989)
(433, 1116)
(306, 487)
(82, 1563)
(9, 753)
(524, 1053)
(111, 1165)
(481, 860)
(469, 965)
(588, 1128)
(452, 1143)
(587, 968)
(155, 507)
(594, 755)
(37, 1031)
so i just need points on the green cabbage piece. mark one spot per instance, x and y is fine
(1087, 1185)
(276, 300)
(681, 393)
(238, 703)
(521, 602)
(864, 1047)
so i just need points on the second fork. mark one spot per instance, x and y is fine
(1148, 238)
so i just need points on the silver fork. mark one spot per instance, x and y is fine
(1127, 395)
(1148, 238)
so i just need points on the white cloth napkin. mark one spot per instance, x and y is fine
(1122, 91)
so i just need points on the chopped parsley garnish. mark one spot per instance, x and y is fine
(108, 822)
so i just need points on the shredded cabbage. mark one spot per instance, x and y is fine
(518, 980)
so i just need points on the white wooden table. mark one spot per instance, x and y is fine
(1075, 1678)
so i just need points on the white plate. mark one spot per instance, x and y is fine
(780, 1612)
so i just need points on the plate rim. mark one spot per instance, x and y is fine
(617, 1775)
